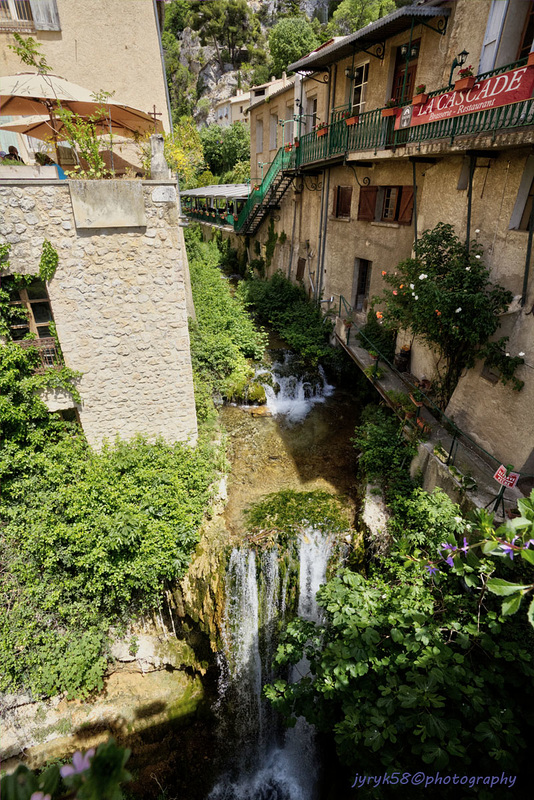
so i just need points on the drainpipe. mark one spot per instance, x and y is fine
(414, 178)
(527, 259)
(472, 165)
(330, 100)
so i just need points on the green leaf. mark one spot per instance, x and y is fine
(530, 612)
(511, 605)
(504, 588)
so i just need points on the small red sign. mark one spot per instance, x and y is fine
(499, 90)
(504, 479)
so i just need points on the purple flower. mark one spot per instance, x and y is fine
(445, 546)
(527, 544)
(40, 796)
(508, 549)
(449, 561)
(79, 763)
(465, 548)
(431, 569)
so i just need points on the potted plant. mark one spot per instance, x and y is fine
(373, 354)
(390, 108)
(417, 398)
(321, 129)
(348, 323)
(373, 372)
(466, 79)
(351, 119)
(420, 97)
(287, 148)
(296, 143)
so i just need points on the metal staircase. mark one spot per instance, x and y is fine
(268, 196)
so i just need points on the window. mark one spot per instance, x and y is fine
(390, 203)
(259, 136)
(402, 69)
(525, 196)
(35, 312)
(528, 34)
(273, 131)
(342, 202)
(525, 217)
(359, 90)
(386, 204)
(288, 127)
(509, 33)
(311, 114)
(362, 283)
(16, 14)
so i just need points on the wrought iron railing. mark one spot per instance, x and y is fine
(213, 216)
(48, 352)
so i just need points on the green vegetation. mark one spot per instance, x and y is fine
(91, 776)
(290, 39)
(445, 297)
(88, 539)
(286, 307)
(416, 664)
(223, 337)
(226, 148)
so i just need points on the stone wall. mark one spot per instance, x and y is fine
(119, 300)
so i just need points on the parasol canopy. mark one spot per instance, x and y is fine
(40, 127)
(35, 93)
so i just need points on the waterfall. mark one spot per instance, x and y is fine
(292, 396)
(270, 764)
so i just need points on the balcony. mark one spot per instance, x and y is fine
(375, 132)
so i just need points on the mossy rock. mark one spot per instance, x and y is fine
(256, 394)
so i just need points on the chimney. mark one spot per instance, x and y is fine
(284, 78)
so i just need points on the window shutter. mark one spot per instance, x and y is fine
(344, 199)
(45, 16)
(367, 203)
(406, 205)
(493, 35)
(301, 265)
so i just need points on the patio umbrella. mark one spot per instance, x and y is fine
(40, 127)
(33, 93)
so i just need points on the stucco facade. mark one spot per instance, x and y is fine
(118, 298)
(99, 45)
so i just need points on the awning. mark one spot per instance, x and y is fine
(234, 191)
(373, 34)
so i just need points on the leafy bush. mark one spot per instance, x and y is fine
(286, 307)
(385, 455)
(223, 337)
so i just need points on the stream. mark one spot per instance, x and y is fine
(300, 440)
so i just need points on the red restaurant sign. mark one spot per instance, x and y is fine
(509, 480)
(499, 90)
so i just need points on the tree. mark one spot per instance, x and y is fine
(236, 145)
(444, 297)
(183, 149)
(290, 39)
(177, 16)
(351, 15)
(212, 142)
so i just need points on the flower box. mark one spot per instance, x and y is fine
(389, 112)
(349, 121)
(322, 131)
(287, 148)
(296, 143)
(464, 83)
(530, 62)
(419, 99)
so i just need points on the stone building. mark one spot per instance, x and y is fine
(233, 109)
(119, 299)
(352, 196)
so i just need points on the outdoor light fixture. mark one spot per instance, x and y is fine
(349, 73)
(459, 61)
(414, 50)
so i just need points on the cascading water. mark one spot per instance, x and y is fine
(270, 764)
(292, 396)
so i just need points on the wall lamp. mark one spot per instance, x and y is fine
(414, 50)
(459, 61)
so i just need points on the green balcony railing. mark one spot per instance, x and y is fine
(213, 216)
(375, 132)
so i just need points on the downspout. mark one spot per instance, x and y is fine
(527, 259)
(414, 178)
(331, 99)
(472, 165)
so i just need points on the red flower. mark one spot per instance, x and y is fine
(384, 272)
(438, 312)
(395, 292)
(379, 315)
